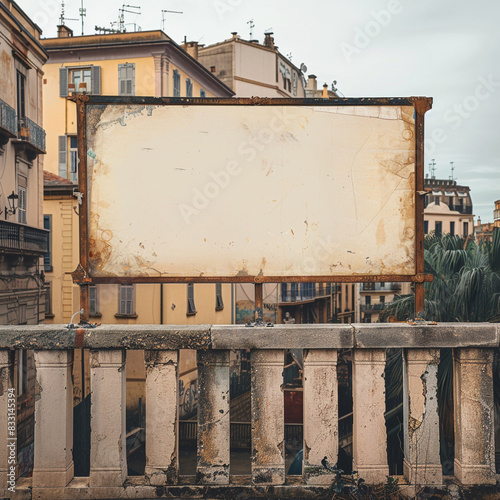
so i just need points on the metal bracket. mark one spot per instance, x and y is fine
(78, 196)
(80, 276)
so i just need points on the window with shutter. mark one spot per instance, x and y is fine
(22, 186)
(93, 301)
(219, 303)
(191, 308)
(63, 145)
(126, 79)
(177, 83)
(73, 157)
(47, 260)
(189, 88)
(63, 82)
(126, 300)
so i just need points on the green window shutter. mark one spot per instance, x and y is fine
(63, 153)
(96, 80)
(63, 82)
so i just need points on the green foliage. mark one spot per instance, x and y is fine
(466, 285)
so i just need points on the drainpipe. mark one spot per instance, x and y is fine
(161, 303)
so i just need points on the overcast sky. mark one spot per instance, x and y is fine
(445, 49)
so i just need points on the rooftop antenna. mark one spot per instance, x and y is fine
(83, 13)
(163, 12)
(121, 15)
(105, 30)
(432, 168)
(452, 177)
(252, 26)
(63, 18)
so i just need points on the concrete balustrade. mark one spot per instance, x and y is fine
(53, 472)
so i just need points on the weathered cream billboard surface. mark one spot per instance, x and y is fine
(226, 191)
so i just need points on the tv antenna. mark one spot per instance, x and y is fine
(452, 177)
(121, 16)
(252, 26)
(163, 12)
(432, 168)
(105, 30)
(83, 13)
(63, 17)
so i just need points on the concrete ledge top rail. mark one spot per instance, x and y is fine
(315, 336)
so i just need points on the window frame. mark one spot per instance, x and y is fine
(94, 310)
(121, 80)
(47, 260)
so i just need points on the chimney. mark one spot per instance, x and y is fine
(235, 35)
(269, 40)
(324, 95)
(312, 84)
(64, 31)
(191, 48)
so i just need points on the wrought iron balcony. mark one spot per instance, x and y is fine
(8, 125)
(380, 287)
(463, 209)
(18, 238)
(372, 307)
(31, 134)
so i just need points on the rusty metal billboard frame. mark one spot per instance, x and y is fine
(83, 277)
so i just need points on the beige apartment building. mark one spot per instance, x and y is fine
(23, 239)
(146, 63)
(447, 208)
(251, 68)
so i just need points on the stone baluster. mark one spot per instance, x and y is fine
(369, 430)
(108, 457)
(162, 463)
(321, 439)
(421, 465)
(474, 416)
(213, 417)
(268, 427)
(53, 457)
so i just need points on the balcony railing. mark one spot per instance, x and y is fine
(32, 134)
(463, 209)
(8, 119)
(53, 473)
(18, 238)
(372, 307)
(380, 287)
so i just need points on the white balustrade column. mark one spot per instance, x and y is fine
(108, 457)
(162, 462)
(474, 416)
(369, 430)
(321, 437)
(53, 458)
(421, 465)
(213, 417)
(268, 427)
(7, 430)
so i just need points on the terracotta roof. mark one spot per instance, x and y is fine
(50, 179)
